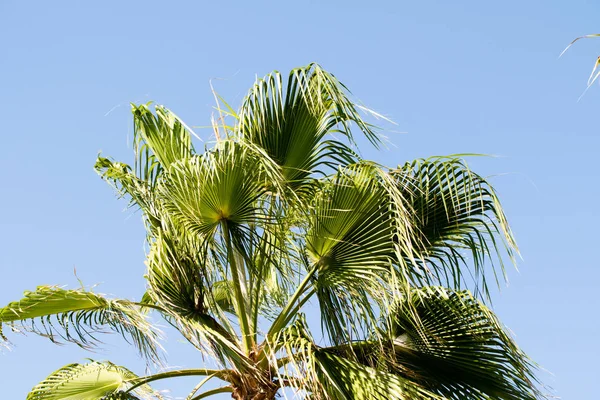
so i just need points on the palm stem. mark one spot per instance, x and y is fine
(221, 374)
(198, 386)
(225, 389)
(284, 317)
(240, 301)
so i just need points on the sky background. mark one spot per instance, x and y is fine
(457, 77)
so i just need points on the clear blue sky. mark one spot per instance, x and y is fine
(457, 77)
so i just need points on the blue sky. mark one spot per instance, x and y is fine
(457, 77)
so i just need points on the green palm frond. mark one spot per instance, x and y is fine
(222, 293)
(94, 380)
(121, 176)
(350, 241)
(140, 192)
(160, 139)
(224, 184)
(181, 284)
(459, 222)
(343, 379)
(79, 314)
(212, 340)
(179, 274)
(452, 344)
(325, 374)
(291, 122)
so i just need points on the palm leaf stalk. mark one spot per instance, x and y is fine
(281, 212)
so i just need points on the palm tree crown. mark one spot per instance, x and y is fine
(282, 211)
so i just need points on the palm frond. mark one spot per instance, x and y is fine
(350, 239)
(182, 283)
(291, 122)
(126, 183)
(160, 139)
(324, 374)
(595, 74)
(80, 314)
(455, 211)
(344, 379)
(281, 210)
(452, 344)
(212, 340)
(179, 273)
(93, 380)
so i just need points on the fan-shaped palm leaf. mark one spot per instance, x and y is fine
(160, 139)
(349, 240)
(326, 374)
(94, 380)
(223, 185)
(455, 210)
(457, 347)
(290, 123)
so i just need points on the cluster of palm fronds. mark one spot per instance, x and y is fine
(282, 211)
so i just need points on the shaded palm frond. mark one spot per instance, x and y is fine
(344, 379)
(325, 374)
(222, 185)
(182, 282)
(207, 335)
(180, 270)
(453, 345)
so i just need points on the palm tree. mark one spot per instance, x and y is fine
(281, 216)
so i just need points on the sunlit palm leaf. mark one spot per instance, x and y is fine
(281, 209)
(344, 379)
(126, 183)
(222, 292)
(79, 314)
(325, 374)
(160, 139)
(291, 122)
(91, 381)
(208, 336)
(223, 185)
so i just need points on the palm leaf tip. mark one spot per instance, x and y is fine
(76, 315)
(222, 185)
